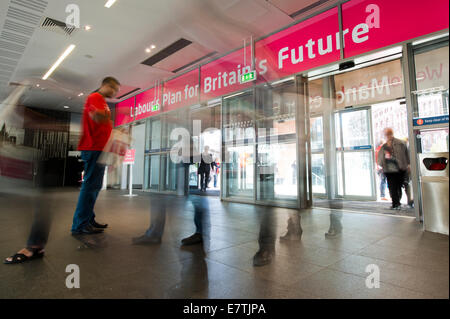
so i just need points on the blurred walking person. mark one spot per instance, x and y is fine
(96, 130)
(380, 173)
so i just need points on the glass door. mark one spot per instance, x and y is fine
(354, 151)
(317, 157)
(238, 138)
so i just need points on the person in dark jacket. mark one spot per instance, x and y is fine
(205, 168)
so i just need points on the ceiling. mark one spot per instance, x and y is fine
(117, 41)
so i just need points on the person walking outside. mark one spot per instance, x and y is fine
(205, 168)
(380, 173)
(96, 130)
(393, 157)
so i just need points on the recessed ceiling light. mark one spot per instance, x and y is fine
(153, 46)
(37, 85)
(109, 3)
(148, 50)
(81, 94)
(87, 27)
(66, 107)
(58, 62)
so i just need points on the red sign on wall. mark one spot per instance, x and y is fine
(181, 91)
(124, 112)
(373, 24)
(303, 46)
(147, 103)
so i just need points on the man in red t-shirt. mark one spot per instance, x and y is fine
(96, 129)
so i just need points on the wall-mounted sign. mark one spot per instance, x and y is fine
(421, 121)
(367, 25)
(380, 23)
(181, 91)
(248, 77)
(147, 103)
(124, 112)
(129, 156)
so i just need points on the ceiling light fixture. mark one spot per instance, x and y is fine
(66, 107)
(87, 27)
(153, 46)
(148, 50)
(81, 94)
(109, 3)
(58, 62)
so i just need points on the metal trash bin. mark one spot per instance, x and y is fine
(434, 178)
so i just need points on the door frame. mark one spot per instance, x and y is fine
(373, 196)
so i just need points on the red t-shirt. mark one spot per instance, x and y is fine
(95, 135)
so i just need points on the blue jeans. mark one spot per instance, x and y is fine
(92, 184)
(383, 183)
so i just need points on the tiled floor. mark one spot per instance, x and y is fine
(412, 263)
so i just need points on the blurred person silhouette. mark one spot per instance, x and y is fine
(393, 157)
(201, 220)
(205, 168)
(407, 182)
(380, 173)
(267, 236)
(193, 275)
(335, 224)
(96, 131)
(155, 231)
(294, 228)
(215, 170)
(22, 170)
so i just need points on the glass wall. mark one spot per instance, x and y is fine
(238, 136)
(152, 153)
(432, 82)
(276, 147)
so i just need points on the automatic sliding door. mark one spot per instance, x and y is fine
(355, 155)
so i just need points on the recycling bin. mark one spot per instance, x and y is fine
(434, 174)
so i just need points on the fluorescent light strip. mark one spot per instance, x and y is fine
(58, 62)
(109, 3)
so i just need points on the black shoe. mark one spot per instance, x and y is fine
(192, 240)
(146, 240)
(97, 225)
(87, 230)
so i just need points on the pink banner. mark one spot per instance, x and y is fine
(367, 25)
(124, 112)
(181, 91)
(221, 76)
(147, 103)
(306, 45)
(373, 24)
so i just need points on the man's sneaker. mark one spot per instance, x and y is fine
(87, 230)
(192, 240)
